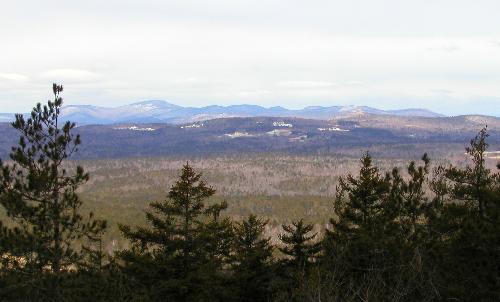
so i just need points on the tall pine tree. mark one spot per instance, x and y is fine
(39, 194)
(474, 184)
(468, 226)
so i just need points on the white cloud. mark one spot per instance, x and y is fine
(69, 74)
(306, 84)
(252, 93)
(13, 77)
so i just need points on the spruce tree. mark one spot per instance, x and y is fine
(359, 243)
(216, 237)
(301, 252)
(360, 206)
(39, 194)
(299, 245)
(252, 261)
(217, 234)
(170, 259)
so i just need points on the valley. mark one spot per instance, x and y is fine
(279, 187)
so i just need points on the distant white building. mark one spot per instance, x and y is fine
(282, 124)
(196, 125)
(238, 134)
(333, 129)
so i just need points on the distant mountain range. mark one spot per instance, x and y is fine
(158, 111)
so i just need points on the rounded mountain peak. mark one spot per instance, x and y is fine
(154, 103)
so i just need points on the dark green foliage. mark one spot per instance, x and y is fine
(181, 257)
(474, 184)
(299, 247)
(252, 261)
(409, 200)
(40, 196)
(362, 210)
(362, 223)
(358, 244)
(467, 227)
(377, 244)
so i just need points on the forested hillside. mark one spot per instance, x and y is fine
(398, 136)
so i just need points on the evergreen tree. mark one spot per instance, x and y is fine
(408, 205)
(474, 184)
(301, 253)
(171, 259)
(39, 194)
(299, 246)
(94, 253)
(359, 203)
(365, 243)
(468, 227)
(252, 261)
(216, 237)
(409, 235)
(362, 218)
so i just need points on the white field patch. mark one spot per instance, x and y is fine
(492, 154)
(335, 128)
(282, 124)
(238, 134)
(195, 125)
(301, 138)
(279, 132)
(135, 128)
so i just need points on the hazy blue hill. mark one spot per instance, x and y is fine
(159, 111)
(415, 112)
(7, 117)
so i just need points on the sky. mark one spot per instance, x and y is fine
(443, 55)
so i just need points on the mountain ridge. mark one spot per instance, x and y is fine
(160, 111)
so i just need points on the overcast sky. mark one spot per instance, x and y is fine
(443, 55)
